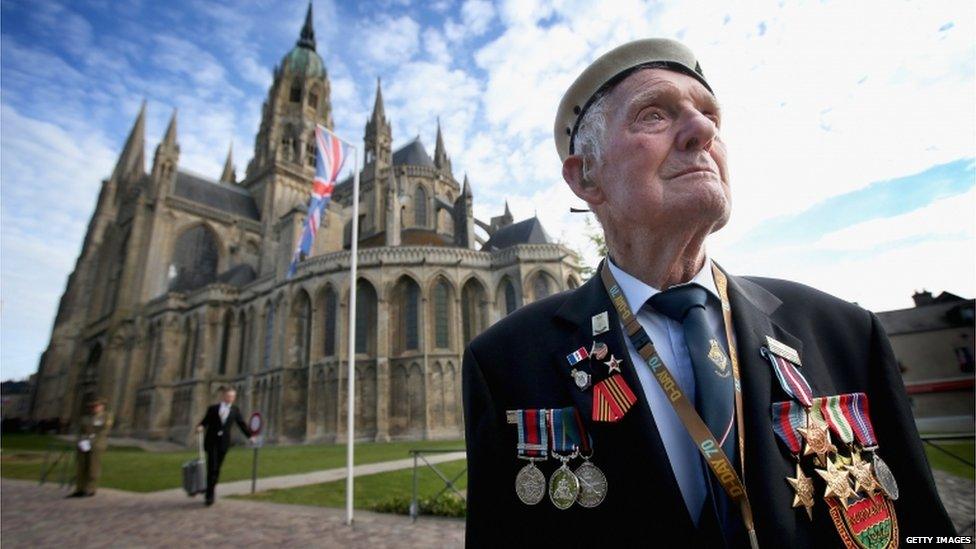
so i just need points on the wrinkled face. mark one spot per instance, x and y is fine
(229, 396)
(664, 165)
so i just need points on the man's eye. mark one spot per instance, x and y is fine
(652, 116)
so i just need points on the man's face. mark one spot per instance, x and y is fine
(230, 396)
(664, 164)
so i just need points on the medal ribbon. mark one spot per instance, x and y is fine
(533, 439)
(564, 433)
(860, 420)
(585, 442)
(832, 409)
(788, 416)
(790, 378)
(707, 444)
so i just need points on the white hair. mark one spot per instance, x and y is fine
(591, 134)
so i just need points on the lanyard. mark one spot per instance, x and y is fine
(693, 423)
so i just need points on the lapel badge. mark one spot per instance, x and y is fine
(581, 378)
(577, 355)
(601, 323)
(783, 350)
(613, 365)
(718, 358)
(599, 350)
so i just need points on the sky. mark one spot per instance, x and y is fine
(850, 126)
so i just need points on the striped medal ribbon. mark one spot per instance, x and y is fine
(832, 410)
(533, 441)
(859, 418)
(788, 416)
(564, 485)
(790, 378)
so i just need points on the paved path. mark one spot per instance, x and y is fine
(959, 497)
(39, 516)
(315, 477)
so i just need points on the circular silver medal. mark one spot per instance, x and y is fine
(564, 487)
(593, 485)
(530, 484)
(885, 478)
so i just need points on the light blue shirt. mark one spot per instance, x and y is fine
(669, 341)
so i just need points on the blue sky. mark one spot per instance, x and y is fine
(850, 125)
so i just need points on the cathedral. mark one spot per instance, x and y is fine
(180, 287)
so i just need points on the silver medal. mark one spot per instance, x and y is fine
(581, 378)
(885, 478)
(593, 485)
(530, 484)
(564, 487)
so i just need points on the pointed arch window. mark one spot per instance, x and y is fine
(541, 287)
(420, 207)
(296, 93)
(330, 322)
(407, 311)
(365, 317)
(510, 301)
(225, 342)
(442, 333)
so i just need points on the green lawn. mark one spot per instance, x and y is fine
(941, 461)
(139, 471)
(369, 490)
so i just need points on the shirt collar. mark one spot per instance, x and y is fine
(637, 293)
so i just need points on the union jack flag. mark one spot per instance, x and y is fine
(330, 155)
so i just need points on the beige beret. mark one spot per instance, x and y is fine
(608, 69)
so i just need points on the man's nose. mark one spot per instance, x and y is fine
(697, 132)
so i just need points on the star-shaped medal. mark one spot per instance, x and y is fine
(803, 486)
(863, 478)
(818, 440)
(613, 365)
(837, 485)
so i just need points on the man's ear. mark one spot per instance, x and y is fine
(586, 190)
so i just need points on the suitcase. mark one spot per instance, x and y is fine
(195, 473)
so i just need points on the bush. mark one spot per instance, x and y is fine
(448, 505)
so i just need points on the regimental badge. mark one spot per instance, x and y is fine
(718, 358)
(564, 487)
(601, 323)
(867, 523)
(803, 488)
(581, 378)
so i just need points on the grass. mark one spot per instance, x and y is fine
(941, 461)
(136, 470)
(369, 490)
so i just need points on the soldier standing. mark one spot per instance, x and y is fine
(92, 442)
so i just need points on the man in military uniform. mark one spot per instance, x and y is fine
(92, 442)
(696, 406)
(218, 421)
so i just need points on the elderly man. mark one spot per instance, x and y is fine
(666, 401)
(218, 421)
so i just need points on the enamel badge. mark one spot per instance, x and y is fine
(600, 323)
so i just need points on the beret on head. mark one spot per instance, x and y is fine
(609, 69)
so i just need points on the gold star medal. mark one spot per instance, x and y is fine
(818, 440)
(837, 485)
(864, 480)
(803, 488)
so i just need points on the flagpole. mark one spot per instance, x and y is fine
(351, 371)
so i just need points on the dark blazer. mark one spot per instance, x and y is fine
(520, 362)
(218, 435)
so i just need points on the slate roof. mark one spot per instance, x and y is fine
(528, 231)
(934, 316)
(239, 275)
(412, 154)
(227, 198)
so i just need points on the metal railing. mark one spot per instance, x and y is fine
(449, 483)
(64, 456)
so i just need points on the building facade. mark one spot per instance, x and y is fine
(181, 284)
(933, 342)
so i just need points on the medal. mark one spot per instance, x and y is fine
(564, 486)
(837, 485)
(613, 365)
(817, 435)
(803, 490)
(530, 484)
(790, 379)
(593, 483)
(533, 440)
(581, 378)
(887, 480)
(860, 471)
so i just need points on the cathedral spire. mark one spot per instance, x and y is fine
(379, 112)
(508, 212)
(132, 158)
(307, 38)
(441, 159)
(466, 191)
(228, 176)
(169, 139)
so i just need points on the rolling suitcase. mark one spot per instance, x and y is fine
(195, 473)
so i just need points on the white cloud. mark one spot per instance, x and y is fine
(389, 41)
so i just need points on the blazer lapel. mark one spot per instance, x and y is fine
(637, 431)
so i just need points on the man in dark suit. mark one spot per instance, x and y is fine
(218, 421)
(638, 133)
